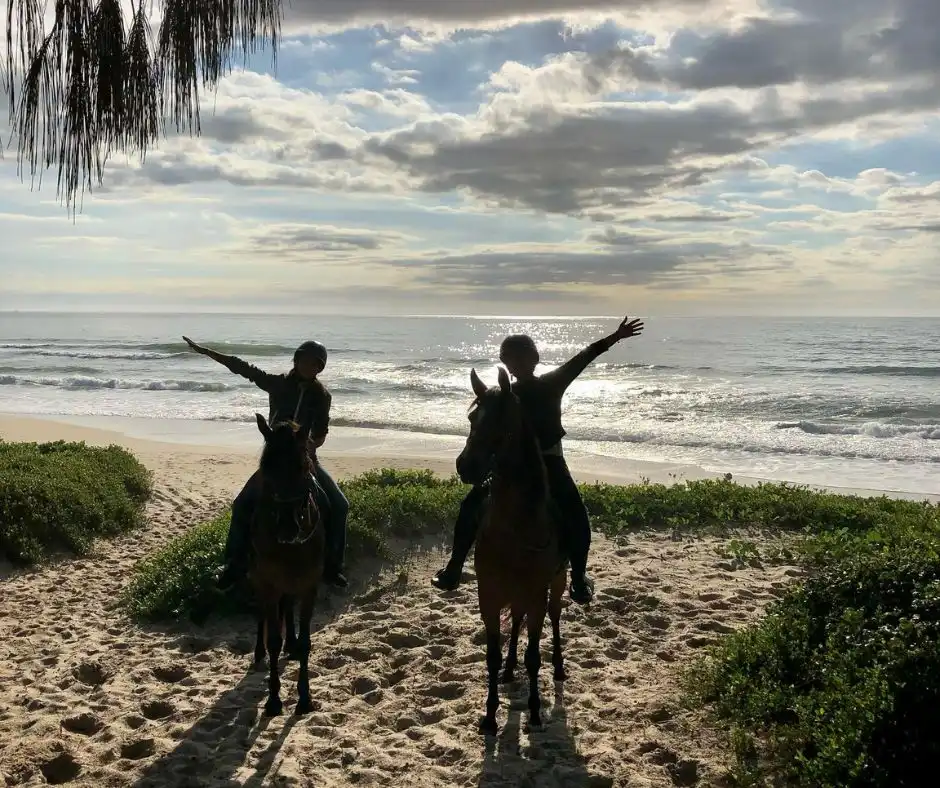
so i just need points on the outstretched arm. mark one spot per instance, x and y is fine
(259, 377)
(566, 374)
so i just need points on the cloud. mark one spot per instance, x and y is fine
(813, 44)
(306, 241)
(319, 12)
(564, 137)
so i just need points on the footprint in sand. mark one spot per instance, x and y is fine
(363, 685)
(61, 769)
(403, 639)
(171, 673)
(92, 673)
(157, 709)
(136, 749)
(715, 626)
(135, 721)
(450, 690)
(84, 724)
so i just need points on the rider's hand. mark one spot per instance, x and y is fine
(193, 346)
(628, 328)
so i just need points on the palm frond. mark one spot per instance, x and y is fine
(98, 82)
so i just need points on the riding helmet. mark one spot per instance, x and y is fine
(311, 349)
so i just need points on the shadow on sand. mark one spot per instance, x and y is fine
(551, 757)
(217, 745)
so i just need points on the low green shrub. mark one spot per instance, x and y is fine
(61, 496)
(177, 582)
(839, 684)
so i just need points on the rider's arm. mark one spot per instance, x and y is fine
(321, 420)
(565, 375)
(263, 380)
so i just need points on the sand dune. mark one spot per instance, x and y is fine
(397, 673)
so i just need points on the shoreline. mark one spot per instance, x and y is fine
(350, 451)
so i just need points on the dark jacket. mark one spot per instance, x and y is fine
(541, 397)
(289, 397)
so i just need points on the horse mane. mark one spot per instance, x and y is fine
(529, 469)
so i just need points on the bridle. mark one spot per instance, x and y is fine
(301, 508)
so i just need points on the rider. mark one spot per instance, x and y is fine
(540, 396)
(301, 397)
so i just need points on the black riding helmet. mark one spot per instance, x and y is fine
(311, 349)
(518, 345)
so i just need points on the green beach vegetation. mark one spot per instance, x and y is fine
(60, 496)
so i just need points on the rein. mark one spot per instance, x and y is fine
(307, 503)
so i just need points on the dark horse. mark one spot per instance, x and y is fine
(289, 547)
(518, 560)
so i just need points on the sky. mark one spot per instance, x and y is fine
(540, 157)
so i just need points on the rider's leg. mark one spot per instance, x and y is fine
(335, 529)
(576, 526)
(465, 533)
(238, 542)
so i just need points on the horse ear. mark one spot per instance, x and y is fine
(479, 387)
(263, 426)
(504, 383)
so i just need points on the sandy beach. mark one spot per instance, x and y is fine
(89, 699)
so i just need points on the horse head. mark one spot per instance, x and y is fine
(495, 418)
(285, 472)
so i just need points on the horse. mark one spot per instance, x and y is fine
(518, 559)
(287, 534)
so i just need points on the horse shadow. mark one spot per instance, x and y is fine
(215, 748)
(550, 758)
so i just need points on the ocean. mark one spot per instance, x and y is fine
(840, 402)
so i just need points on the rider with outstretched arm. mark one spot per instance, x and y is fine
(541, 397)
(298, 396)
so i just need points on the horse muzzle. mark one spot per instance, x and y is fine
(470, 469)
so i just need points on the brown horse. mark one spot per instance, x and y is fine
(518, 559)
(289, 547)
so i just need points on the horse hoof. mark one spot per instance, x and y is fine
(273, 707)
(561, 674)
(508, 677)
(535, 722)
(304, 706)
(488, 727)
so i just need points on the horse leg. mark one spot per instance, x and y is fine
(290, 636)
(512, 656)
(554, 613)
(535, 619)
(307, 603)
(489, 612)
(259, 642)
(273, 706)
